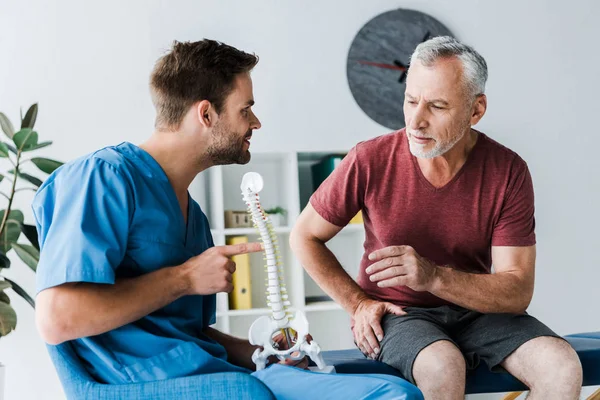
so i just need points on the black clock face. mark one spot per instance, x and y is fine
(378, 60)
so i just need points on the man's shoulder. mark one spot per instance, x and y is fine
(499, 154)
(381, 147)
(112, 156)
(383, 141)
(109, 157)
(105, 162)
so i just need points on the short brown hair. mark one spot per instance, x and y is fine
(192, 72)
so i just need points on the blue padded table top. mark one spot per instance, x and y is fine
(481, 380)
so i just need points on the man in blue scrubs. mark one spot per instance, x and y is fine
(128, 271)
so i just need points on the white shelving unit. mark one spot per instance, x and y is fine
(288, 184)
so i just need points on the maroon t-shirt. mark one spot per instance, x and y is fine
(488, 203)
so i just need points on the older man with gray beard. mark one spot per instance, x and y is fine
(441, 203)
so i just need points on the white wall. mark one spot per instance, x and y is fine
(87, 64)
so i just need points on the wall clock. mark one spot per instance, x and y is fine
(378, 60)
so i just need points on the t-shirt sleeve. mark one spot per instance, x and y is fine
(82, 216)
(341, 196)
(516, 223)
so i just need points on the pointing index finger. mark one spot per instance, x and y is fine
(241, 248)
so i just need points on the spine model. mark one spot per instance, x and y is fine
(264, 328)
(276, 293)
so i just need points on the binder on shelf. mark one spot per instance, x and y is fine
(241, 296)
(321, 170)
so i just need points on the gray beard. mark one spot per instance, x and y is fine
(438, 149)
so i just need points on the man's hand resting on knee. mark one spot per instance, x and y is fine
(367, 324)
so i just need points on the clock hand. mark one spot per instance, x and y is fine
(397, 66)
(383, 65)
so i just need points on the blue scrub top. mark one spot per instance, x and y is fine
(114, 214)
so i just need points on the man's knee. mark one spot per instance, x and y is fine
(558, 364)
(440, 362)
(546, 363)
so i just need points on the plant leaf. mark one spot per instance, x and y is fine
(4, 261)
(4, 298)
(45, 164)
(11, 148)
(10, 235)
(25, 139)
(3, 150)
(31, 233)
(8, 319)
(38, 146)
(7, 126)
(21, 292)
(16, 215)
(29, 254)
(4, 285)
(29, 178)
(12, 229)
(30, 117)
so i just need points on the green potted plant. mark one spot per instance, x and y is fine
(276, 215)
(15, 153)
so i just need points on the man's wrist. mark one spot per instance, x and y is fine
(360, 299)
(181, 278)
(437, 282)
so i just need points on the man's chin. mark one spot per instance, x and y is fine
(420, 151)
(246, 158)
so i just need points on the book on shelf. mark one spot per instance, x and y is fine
(241, 296)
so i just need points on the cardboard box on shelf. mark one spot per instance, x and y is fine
(237, 219)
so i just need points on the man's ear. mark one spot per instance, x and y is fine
(479, 109)
(205, 113)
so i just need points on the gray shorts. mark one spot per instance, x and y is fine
(488, 337)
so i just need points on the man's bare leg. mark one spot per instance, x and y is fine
(549, 367)
(439, 371)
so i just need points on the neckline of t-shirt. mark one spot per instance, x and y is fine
(470, 157)
(158, 172)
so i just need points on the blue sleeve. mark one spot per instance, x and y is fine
(210, 301)
(82, 215)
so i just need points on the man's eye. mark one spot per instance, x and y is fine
(437, 107)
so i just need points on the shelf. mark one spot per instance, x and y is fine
(322, 306)
(253, 231)
(350, 228)
(252, 311)
(353, 228)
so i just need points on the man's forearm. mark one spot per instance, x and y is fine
(504, 292)
(322, 265)
(239, 351)
(75, 310)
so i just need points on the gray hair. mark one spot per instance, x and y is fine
(475, 71)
